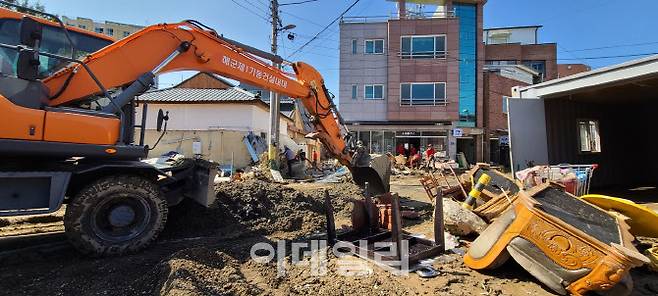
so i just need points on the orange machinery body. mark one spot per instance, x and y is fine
(22, 123)
(121, 63)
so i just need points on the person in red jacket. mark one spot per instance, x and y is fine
(429, 156)
(412, 150)
(400, 150)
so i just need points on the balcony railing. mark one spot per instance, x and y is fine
(410, 15)
(423, 55)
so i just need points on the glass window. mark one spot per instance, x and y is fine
(82, 27)
(539, 66)
(405, 94)
(53, 41)
(374, 92)
(423, 47)
(468, 35)
(110, 31)
(98, 30)
(374, 46)
(377, 142)
(505, 104)
(354, 47)
(422, 94)
(389, 142)
(500, 63)
(590, 140)
(354, 91)
(125, 34)
(364, 136)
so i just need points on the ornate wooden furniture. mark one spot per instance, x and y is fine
(567, 243)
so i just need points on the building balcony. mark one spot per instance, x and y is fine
(410, 15)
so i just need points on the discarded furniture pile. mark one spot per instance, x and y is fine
(571, 244)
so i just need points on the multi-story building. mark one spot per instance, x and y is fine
(112, 29)
(415, 78)
(520, 45)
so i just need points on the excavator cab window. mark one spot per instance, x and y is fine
(53, 42)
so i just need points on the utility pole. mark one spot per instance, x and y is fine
(273, 142)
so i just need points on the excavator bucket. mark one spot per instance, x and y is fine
(377, 175)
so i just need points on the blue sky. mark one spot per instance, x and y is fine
(581, 28)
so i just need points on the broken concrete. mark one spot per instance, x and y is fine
(460, 221)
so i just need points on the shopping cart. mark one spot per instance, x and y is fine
(575, 177)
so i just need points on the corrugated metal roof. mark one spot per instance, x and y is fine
(197, 95)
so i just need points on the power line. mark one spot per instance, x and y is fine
(250, 10)
(300, 2)
(301, 18)
(259, 7)
(613, 46)
(324, 29)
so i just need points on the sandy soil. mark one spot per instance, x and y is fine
(207, 252)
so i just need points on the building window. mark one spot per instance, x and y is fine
(539, 66)
(423, 47)
(423, 94)
(374, 92)
(82, 27)
(505, 108)
(354, 47)
(354, 91)
(125, 34)
(109, 31)
(374, 46)
(98, 30)
(589, 136)
(500, 63)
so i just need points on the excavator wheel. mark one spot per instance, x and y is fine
(115, 215)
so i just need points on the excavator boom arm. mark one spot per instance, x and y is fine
(157, 49)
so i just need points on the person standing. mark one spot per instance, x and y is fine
(400, 149)
(315, 158)
(429, 154)
(290, 158)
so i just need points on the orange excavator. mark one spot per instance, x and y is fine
(67, 130)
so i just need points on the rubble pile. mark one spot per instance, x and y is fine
(261, 207)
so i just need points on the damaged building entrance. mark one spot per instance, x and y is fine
(603, 117)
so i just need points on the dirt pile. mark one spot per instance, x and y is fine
(257, 207)
(200, 271)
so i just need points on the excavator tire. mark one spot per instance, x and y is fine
(115, 215)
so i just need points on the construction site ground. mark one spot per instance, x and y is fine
(207, 252)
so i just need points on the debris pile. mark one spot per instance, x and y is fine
(261, 207)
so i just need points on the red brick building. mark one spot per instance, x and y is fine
(498, 83)
(564, 70)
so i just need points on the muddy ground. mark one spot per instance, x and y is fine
(207, 252)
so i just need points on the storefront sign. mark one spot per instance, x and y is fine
(409, 134)
(457, 132)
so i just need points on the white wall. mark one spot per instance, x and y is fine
(514, 35)
(194, 117)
